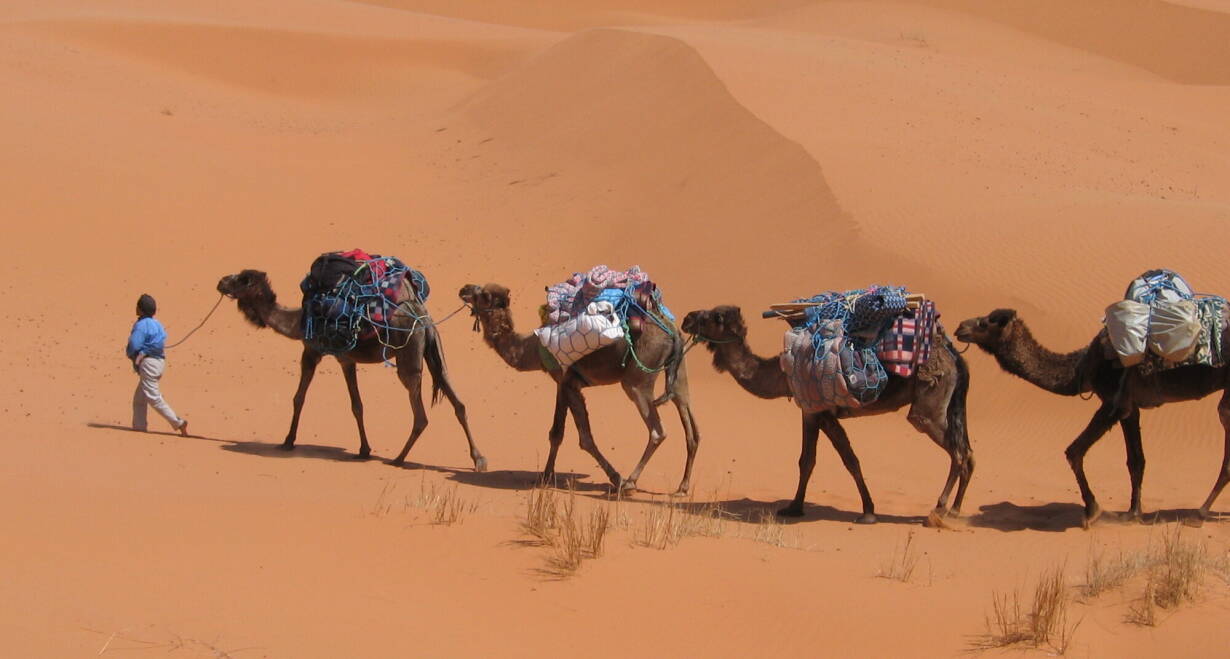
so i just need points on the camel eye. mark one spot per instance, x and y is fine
(982, 324)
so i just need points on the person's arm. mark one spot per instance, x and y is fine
(136, 341)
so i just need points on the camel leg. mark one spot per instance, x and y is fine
(691, 434)
(967, 473)
(459, 408)
(643, 400)
(1223, 477)
(571, 390)
(356, 406)
(807, 462)
(307, 368)
(956, 462)
(929, 416)
(434, 354)
(1101, 422)
(411, 376)
(1135, 459)
(556, 437)
(837, 436)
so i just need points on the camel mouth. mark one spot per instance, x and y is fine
(690, 321)
(468, 293)
(224, 286)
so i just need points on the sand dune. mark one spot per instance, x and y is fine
(1002, 153)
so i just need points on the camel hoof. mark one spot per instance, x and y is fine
(791, 511)
(287, 446)
(398, 461)
(361, 456)
(954, 512)
(1092, 515)
(480, 464)
(681, 492)
(866, 518)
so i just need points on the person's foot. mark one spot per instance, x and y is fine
(183, 427)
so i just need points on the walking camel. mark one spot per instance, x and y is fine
(258, 303)
(1123, 392)
(935, 393)
(609, 365)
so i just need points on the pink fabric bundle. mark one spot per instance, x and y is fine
(567, 298)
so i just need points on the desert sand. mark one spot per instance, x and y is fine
(992, 153)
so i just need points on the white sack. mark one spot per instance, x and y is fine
(571, 340)
(1127, 324)
(1174, 328)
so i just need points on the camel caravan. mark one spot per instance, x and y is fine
(845, 354)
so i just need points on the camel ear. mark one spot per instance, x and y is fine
(1002, 317)
(732, 319)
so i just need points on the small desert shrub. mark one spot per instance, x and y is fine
(1043, 624)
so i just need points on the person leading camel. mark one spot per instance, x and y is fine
(146, 349)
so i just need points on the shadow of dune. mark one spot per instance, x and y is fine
(1007, 516)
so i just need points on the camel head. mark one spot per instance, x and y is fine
(986, 331)
(485, 298)
(720, 324)
(252, 290)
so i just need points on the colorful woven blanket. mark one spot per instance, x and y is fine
(906, 343)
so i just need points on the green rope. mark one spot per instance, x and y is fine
(632, 349)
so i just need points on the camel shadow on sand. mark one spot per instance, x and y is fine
(509, 479)
(1059, 517)
(750, 510)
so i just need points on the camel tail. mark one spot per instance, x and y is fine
(957, 428)
(672, 369)
(433, 354)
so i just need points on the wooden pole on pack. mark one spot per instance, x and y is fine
(797, 310)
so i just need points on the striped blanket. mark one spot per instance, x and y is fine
(906, 343)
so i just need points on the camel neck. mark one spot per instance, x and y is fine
(1020, 354)
(760, 376)
(268, 313)
(519, 351)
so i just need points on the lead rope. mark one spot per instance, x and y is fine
(199, 326)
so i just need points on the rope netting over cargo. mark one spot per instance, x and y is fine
(1163, 323)
(830, 352)
(353, 296)
(594, 309)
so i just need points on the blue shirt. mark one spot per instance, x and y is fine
(147, 338)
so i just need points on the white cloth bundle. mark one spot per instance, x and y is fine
(569, 341)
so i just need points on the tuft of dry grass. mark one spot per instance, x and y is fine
(1043, 624)
(571, 539)
(1176, 570)
(901, 564)
(666, 524)
(444, 506)
(1105, 573)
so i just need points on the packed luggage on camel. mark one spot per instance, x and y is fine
(1162, 343)
(849, 354)
(599, 327)
(361, 309)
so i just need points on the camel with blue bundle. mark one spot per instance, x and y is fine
(1161, 344)
(360, 309)
(598, 328)
(853, 354)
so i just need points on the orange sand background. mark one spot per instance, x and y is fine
(992, 153)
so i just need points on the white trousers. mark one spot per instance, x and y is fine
(148, 394)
